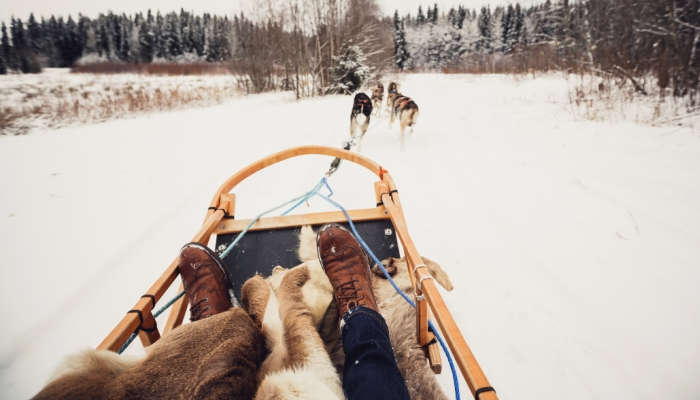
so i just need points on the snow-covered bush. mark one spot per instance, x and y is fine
(349, 71)
(436, 46)
(185, 58)
(94, 58)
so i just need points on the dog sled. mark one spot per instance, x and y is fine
(268, 242)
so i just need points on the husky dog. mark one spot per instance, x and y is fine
(378, 97)
(361, 111)
(403, 108)
(393, 88)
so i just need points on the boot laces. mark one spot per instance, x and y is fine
(348, 292)
(199, 309)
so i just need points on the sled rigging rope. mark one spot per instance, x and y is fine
(316, 191)
(297, 202)
(396, 287)
(347, 145)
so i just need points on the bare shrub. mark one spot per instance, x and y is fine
(54, 100)
(605, 97)
(10, 122)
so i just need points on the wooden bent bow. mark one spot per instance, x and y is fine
(223, 203)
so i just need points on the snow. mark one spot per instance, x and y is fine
(58, 98)
(573, 245)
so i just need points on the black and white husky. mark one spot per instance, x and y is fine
(359, 116)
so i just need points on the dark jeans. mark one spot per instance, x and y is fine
(370, 367)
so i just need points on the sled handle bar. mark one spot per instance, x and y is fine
(251, 169)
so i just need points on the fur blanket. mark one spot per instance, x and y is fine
(214, 358)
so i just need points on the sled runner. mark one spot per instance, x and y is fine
(273, 241)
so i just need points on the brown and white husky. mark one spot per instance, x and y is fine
(378, 98)
(403, 108)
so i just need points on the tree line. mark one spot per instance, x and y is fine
(627, 39)
(301, 45)
(319, 46)
(142, 38)
(312, 46)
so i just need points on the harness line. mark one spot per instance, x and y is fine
(297, 202)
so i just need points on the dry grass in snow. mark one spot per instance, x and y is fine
(57, 98)
(606, 99)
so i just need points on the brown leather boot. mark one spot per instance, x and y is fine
(205, 281)
(347, 268)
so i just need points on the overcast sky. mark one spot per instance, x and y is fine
(22, 8)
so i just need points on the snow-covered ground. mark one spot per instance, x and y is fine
(58, 98)
(574, 246)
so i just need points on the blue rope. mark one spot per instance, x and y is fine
(299, 201)
(398, 290)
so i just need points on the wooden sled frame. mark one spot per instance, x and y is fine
(389, 206)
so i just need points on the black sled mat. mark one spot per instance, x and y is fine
(260, 251)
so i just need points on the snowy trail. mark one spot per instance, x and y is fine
(574, 246)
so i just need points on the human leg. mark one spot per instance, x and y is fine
(370, 367)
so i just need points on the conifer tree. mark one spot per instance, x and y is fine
(5, 48)
(519, 28)
(420, 18)
(401, 55)
(71, 48)
(103, 42)
(52, 35)
(19, 42)
(159, 37)
(34, 35)
(349, 70)
(171, 36)
(461, 15)
(485, 43)
(25, 59)
(146, 42)
(83, 33)
(507, 29)
(545, 25)
(124, 39)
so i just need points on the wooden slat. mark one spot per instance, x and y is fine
(422, 321)
(177, 313)
(148, 338)
(287, 221)
(130, 322)
(466, 361)
(228, 203)
(434, 357)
